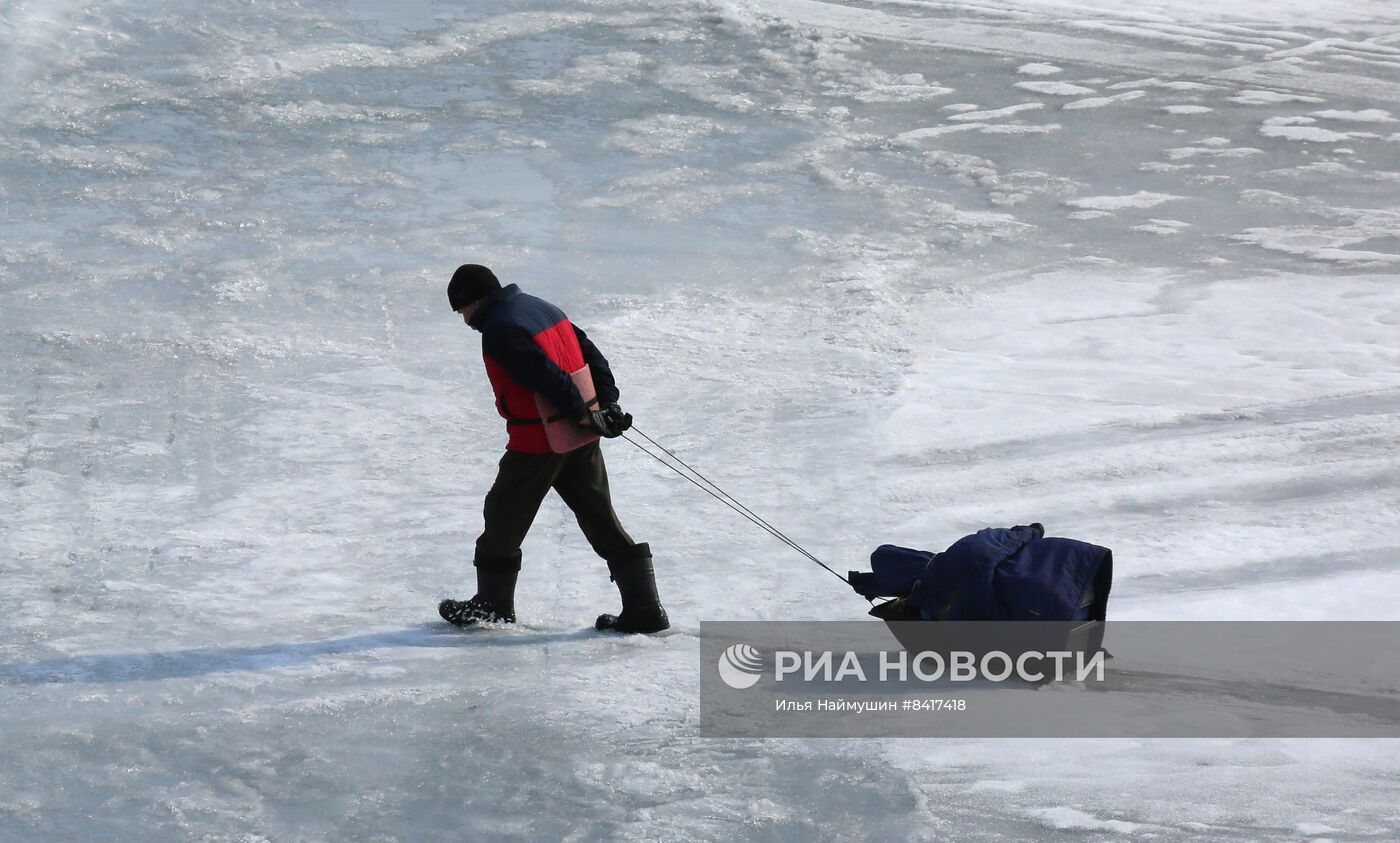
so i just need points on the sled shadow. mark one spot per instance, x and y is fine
(179, 664)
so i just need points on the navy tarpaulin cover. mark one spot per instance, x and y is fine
(1000, 573)
(893, 570)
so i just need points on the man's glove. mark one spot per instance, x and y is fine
(621, 422)
(609, 421)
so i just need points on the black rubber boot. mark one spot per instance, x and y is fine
(636, 582)
(494, 601)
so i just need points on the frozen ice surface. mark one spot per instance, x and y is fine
(862, 262)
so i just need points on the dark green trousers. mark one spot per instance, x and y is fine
(580, 478)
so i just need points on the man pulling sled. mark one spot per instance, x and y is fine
(558, 397)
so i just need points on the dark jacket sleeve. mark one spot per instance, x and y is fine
(603, 380)
(529, 366)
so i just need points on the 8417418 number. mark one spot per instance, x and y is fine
(934, 704)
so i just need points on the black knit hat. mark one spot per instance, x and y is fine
(470, 282)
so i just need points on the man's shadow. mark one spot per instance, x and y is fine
(179, 664)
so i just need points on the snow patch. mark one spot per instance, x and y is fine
(914, 136)
(664, 134)
(1270, 98)
(882, 87)
(998, 113)
(1165, 84)
(1296, 129)
(873, 85)
(1163, 167)
(1368, 115)
(1056, 89)
(1162, 227)
(1101, 102)
(1038, 68)
(1179, 152)
(1141, 199)
(1318, 243)
(1018, 129)
(307, 112)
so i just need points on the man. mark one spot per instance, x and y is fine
(533, 352)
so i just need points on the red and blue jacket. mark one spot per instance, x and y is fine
(530, 348)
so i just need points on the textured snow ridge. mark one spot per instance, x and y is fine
(886, 271)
